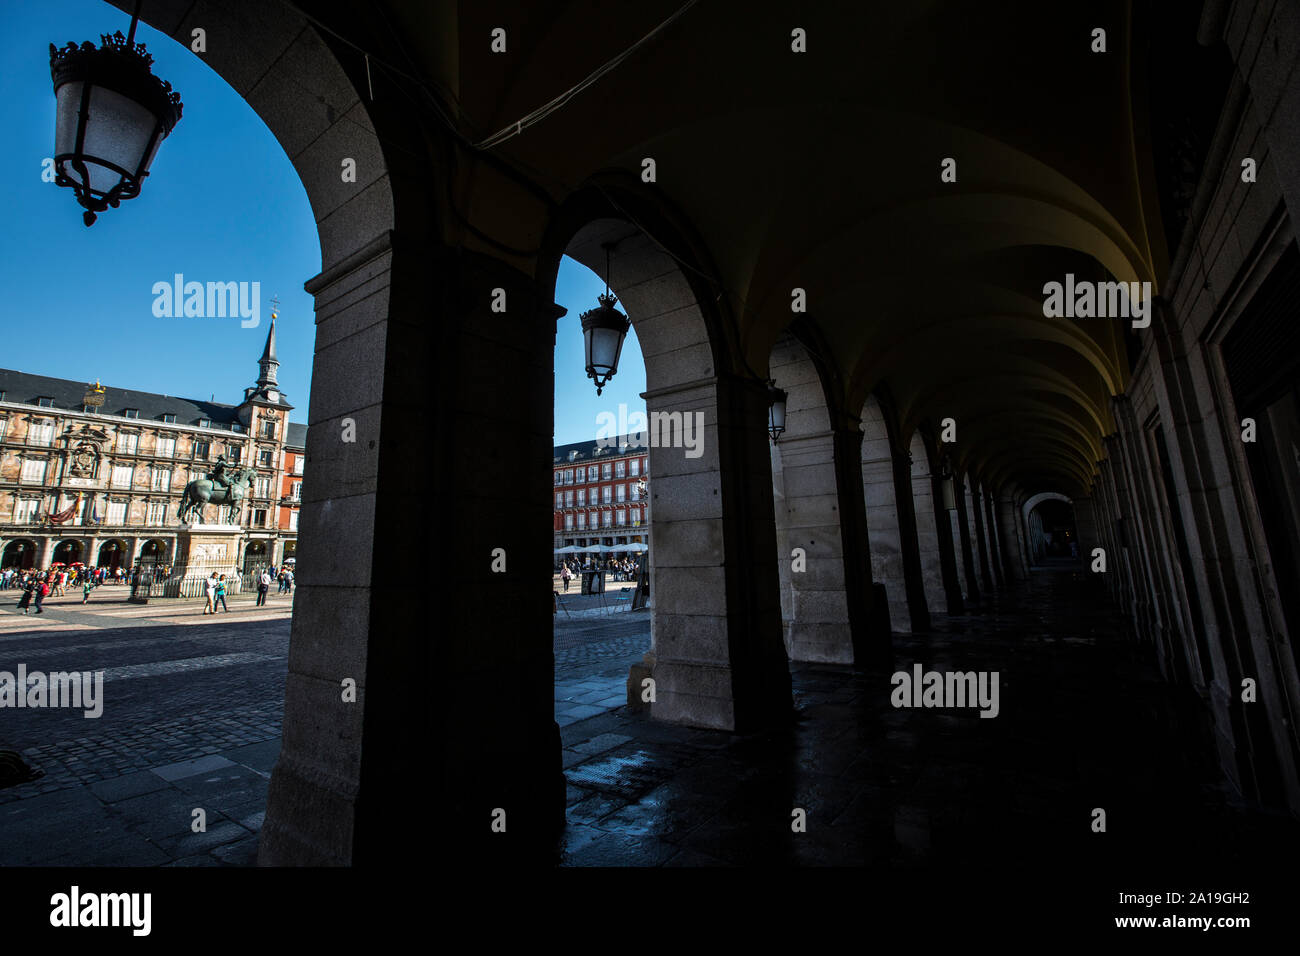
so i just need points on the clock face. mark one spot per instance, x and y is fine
(272, 395)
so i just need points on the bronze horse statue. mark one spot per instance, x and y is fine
(205, 491)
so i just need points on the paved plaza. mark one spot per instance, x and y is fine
(191, 719)
(192, 712)
(193, 708)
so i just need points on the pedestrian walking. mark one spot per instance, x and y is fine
(210, 587)
(221, 595)
(86, 587)
(25, 601)
(42, 591)
(263, 585)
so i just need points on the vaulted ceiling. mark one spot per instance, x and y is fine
(821, 171)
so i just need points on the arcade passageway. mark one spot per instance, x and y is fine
(1024, 275)
(1085, 722)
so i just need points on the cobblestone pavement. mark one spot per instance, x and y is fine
(592, 657)
(191, 719)
(1085, 722)
(192, 712)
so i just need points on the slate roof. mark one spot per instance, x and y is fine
(26, 389)
(593, 450)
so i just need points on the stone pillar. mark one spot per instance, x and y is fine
(883, 514)
(1085, 529)
(964, 536)
(819, 627)
(947, 552)
(995, 545)
(719, 658)
(45, 552)
(425, 401)
(868, 607)
(981, 538)
(909, 538)
(784, 553)
(927, 529)
(1009, 538)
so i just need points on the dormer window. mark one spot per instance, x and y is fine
(169, 418)
(45, 401)
(131, 413)
(205, 423)
(236, 427)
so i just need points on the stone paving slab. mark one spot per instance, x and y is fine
(187, 768)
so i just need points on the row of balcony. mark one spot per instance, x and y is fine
(154, 455)
(30, 485)
(635, 499)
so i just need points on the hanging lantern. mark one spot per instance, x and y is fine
(603, 332)
(776, 399)
(111, 115)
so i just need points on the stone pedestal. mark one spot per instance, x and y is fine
(204, 548)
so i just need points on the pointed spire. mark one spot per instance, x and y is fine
(268, 362)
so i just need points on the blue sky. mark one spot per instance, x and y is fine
(222, 203)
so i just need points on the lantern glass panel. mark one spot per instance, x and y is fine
(67, 105)
(117, 131)
(776, 417)
(603, 348)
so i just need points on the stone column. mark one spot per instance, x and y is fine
(964, 536)
(1085, 530)
(868, 607)
(719, 658)
(819, 628)
(882, 514)
(1009, 538)
(909, 538)
(981, 538)
(927, 530)
(426, 399)
(995, 545)
(947, 552)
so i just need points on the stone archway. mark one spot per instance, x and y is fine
(256, 556)
(67, 551)
(280, 64)
(821, 559)
(154, 550)
(19, 553)
(112, 554)
(1042, 542)
(719, 659)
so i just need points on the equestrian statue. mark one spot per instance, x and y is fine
(222, 486)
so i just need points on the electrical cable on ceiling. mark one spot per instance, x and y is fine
(545, 110)
(514, 129)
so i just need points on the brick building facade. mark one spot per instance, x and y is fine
(95, 473)
(602, 495)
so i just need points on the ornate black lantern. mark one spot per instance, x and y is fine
(603, 331)
(776, 399)
(112, 113)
